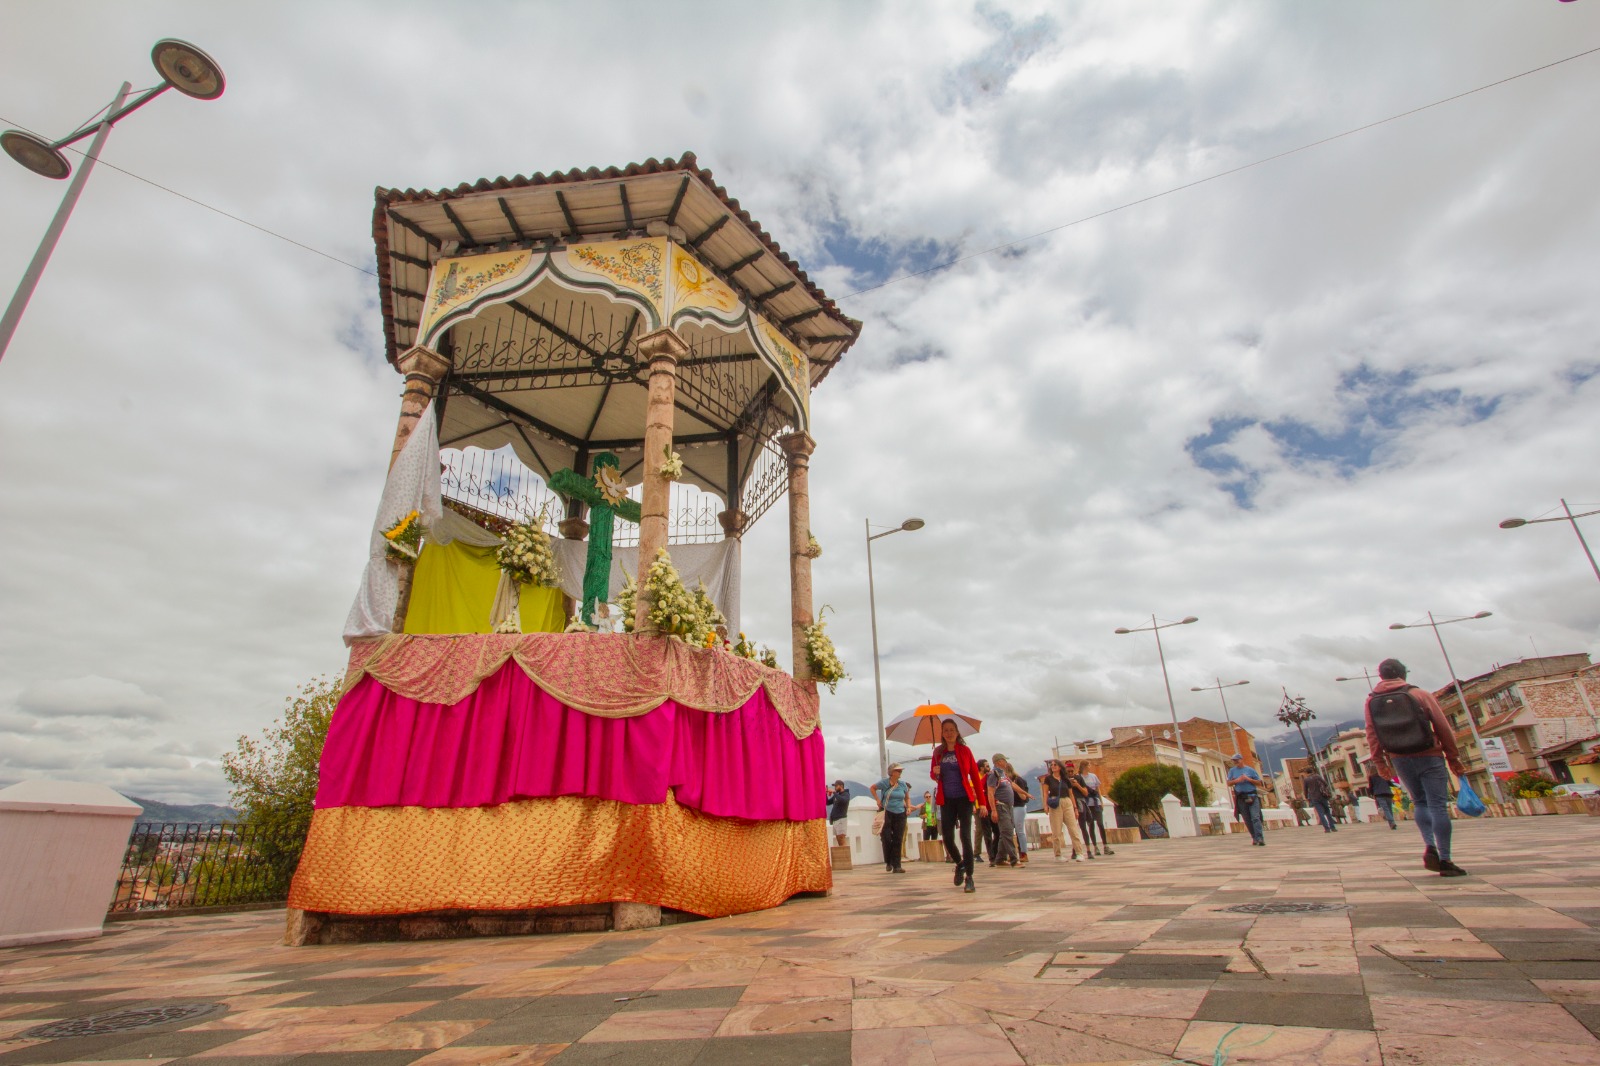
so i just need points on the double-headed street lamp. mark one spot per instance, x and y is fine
(1183, 758)
(1434, 624)
(183, 67)
(1219, 686)
(1513, 523)
(908, 526)
(1366, 675)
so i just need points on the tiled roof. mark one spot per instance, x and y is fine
(685, 164)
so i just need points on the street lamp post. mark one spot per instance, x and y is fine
(908, 526)
(1513, 523)
(182, 67)
(1183, 757)
(1365, 674)
(1434, 624)
(1219, 686)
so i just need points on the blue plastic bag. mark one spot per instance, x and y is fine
(1467, 801)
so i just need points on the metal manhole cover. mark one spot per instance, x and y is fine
(1283, 907)
(122, 1021)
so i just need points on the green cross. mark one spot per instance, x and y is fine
(603, 509)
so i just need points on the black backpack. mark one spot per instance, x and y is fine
(1403, 727)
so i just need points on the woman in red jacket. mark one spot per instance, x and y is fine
(960, 790)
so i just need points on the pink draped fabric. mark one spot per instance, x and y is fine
(511, 740)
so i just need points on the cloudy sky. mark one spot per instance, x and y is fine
(1294, 401)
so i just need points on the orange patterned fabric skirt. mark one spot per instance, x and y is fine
(568, 850)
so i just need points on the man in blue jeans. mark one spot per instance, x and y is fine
(1245, 783)
(1425, 774)
(1382, 793)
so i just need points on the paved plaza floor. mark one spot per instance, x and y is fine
(1169, 951)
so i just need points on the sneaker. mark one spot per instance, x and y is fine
(1077, 858)
(961, 872)
(1430, 859)
(1108, 851)
(968, 887)
(1088, 855)
(899, 869)
(1450, 869)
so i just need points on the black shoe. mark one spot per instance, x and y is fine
(968, 887)
(961, 872)
(1450, 869)
(1107, 851)
(899, 870)
(1088, 854)
(887, 868)
(1430, 859)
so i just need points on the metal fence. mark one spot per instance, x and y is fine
(173, 866)
(499, 485)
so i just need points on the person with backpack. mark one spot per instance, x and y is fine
(1315, 788)
(1411, 738)
(1382, 792)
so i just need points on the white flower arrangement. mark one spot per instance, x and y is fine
(526, 555)
(509, 624)
(674, 610)
(672, 469)
(577, 624)
(769, 656)
(745, 649)
(825, 664)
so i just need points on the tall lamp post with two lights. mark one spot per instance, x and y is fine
(183, 67)
(1233, 732)
(908, 526)
(1568, 516)
(1183, 757)
(1434, 624)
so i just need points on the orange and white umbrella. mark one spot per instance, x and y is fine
(922, 725)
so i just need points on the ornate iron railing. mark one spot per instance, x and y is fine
(183, 865)
(498, 484)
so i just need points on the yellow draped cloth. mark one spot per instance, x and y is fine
(453, 591)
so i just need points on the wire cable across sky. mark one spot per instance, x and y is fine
(897, 279)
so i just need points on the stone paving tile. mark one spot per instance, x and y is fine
(1128, 959)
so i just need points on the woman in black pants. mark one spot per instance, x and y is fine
(1091, 812)
(961, 792)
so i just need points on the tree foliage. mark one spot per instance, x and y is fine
(1139, 789)
(274, 775)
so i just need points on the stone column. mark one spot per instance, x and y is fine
(798, 448)
(733, 523)
(423, 369)
(662, 349)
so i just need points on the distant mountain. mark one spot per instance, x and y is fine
(1274, 749)
(172, 813)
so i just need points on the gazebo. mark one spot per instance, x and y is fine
(617, 330)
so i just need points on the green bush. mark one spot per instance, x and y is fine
(1530, 785)
(1139, 789)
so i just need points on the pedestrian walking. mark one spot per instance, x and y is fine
(1020, 798)
(986, 825)
(929, 813)
(1001, 807)
(1301, 815)
(1381, 789)
(839, 812)
(894, 800)
(1409, 736)
(1056, 791)
(960, 793)
(1319, 796)
(1246, 785)
(1091, 810)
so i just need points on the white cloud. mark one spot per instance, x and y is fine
(194, 417)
